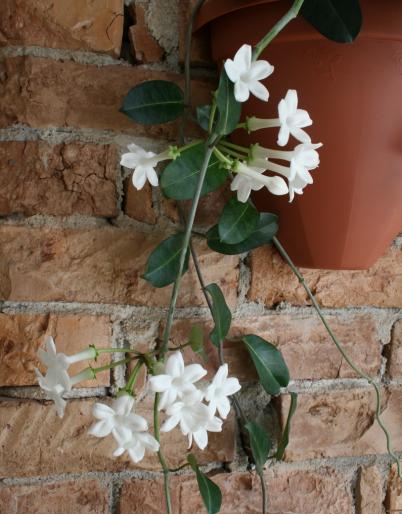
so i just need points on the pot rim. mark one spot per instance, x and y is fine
(214, 9)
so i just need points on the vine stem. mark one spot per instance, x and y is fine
(161, 457)
(263, 491)
(342, 351)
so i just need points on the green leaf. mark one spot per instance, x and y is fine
(220, 313)
(196, 340)
(163, 263)
(263, 233)
(210, 493)
(260, 444)
(203, 114)
(285, 436)
(269, 363)
(179, 179)
(237, 222)
(154, 101)
(229, 108)
(339, 20)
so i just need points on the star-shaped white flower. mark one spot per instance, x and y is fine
(194, 417)
(177, 381)
(292, 120)
(246, 75)
(55, 383)
(137, 445)
(143, 163)
(118, 420)
(249, 178)
(219, 390)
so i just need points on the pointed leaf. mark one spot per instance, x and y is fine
(203, 114)
(269, 363)
(260, 444)
(210, 493)
(154, 101)
(220, 313)
(237, 222)
(179, 179)
(339, 20)
(263, 233)
(229, 108)
(163, 263)
(285, 436)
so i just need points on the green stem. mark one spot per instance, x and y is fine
(281, 24)
(212, 116)
(116, 350)
(239, 148)
(112, 365)
(190, 145)
(231, 152)
(264, 491)
(133, 377)
(342, 351)
(225, 160)
(161, 457)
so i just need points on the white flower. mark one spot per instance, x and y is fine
(249, 178)
(143, 163)
(246, 75)
(194, 417)
(177, 381)
(136, 446)
(292, 120)
(296, 186)
(218, 391)
(118, 420)
(57, 381)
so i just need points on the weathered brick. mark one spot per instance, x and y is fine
(302, 491)
(83, 496)
(40, 92)
(72, 178)
(62, 445)
(381, 285)
(200, 47)
(369, 491)
(22, 334)
(95, 25)
(138, 203)
(395, 352)
(304, 343)
(97, 265)
(342, 423)
(393, 499)
(145, 48)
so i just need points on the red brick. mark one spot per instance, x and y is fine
(299, 491)
(97, 265)
(145, 48)
(64, 179)
(307, 349)
(273, 281)
(92, 26)
(22, 334)
(40, 92)
(395, 352)
(83, 496)
(200, 47)
(138, 203)
(393, 500)
(62, 445)
(369, 491)
(341, 423)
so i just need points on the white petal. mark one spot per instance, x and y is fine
(152, 176)
(139, 177)
(214, 425)
(259, 90)
(300, 118)
(118, 451)
(102, 411)
(231, 386)
(51, 346)
(223, 406)
(167, 398)
(129, 160)
(175, 365)
(282, 111)
(148, 441)
(121, 434)
(136, 453)
(60, 405)
(232, 71)
(242, 58)
(278, 186)
(301, 135)
(283, 135)
(160, 383)
(137, 150)
(243, 192)
(123, 404)
(291, 101)
(101, 428)
(241, 91)
(260, 70)
(193, 373)
(221, 376)
(137, 423)
(201, 438)
(170, 423)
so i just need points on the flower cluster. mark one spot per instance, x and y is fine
(183, 401)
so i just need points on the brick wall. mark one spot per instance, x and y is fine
(74, 236)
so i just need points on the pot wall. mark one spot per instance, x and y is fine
(351, 213)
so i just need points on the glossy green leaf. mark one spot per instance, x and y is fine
(154, 101)
(163, 263)
(263, 233)
(269, 363)
(203, 114)
(196, 339)
(260, 444)
(210, 493)
(221, 314)
(179, 179)
(285, 436)
(229, 109)
(339, 20)
(237, 222)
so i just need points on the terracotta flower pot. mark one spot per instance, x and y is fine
(351, 213)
